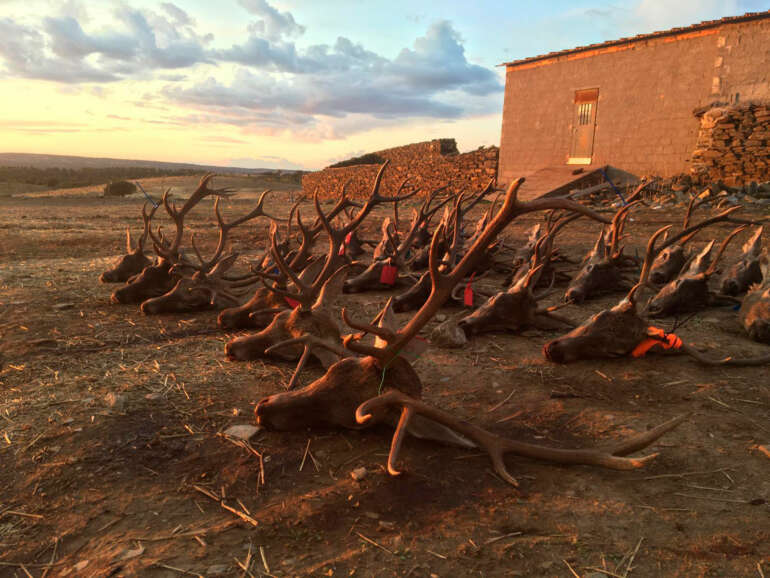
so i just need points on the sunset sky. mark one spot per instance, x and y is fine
(284, 84)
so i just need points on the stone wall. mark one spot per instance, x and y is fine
(429, 165)
(647, 92)
(733, 145)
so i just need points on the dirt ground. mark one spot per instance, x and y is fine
(112, 460)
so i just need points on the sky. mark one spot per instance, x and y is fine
(291, 84)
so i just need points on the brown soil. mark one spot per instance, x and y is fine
(110, 444)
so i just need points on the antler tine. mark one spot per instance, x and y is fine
(649, 259)
(426, 212)
(382, 332)
(225, 228)
(147, 219)
(723, 216)
(484, 192)
(259, 210)
(616, 229)
(611, 457)
(443, 283)
(722, 246)
(639, 190)
(305, 292)
(293, 210)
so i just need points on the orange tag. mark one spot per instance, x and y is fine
(389, 274)
(293, 303)
(656, 337)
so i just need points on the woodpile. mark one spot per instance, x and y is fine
(733, 145)
(429, 165)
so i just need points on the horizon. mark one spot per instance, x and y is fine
(287, 85)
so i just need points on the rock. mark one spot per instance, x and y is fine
(359, 474)
(243, 431)
(448, 334)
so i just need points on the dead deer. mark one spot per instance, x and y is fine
(359, 391)
(258, 312)
(619, 331)
(157, 279)
(518, 308)
(755, 309)
(747, 271)
(394, 254)
(670, 261)
(208, 287)
(690, 291)
(450, 245)
(312, 301)
(605, 264)
(134, 260)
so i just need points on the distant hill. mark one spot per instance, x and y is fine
(71, 162)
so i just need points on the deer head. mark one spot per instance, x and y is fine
(153, 281)
(209, 287)
(747, 271)
(671, 260)
(390, 256)
(517, 308)
(258, 312)
(617, 332)
(690, 291)
(384, 369)
(602, 271)
(134, 260)
(755, 309)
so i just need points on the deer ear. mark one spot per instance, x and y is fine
(331, 290)
(764, 266)
(387, 320)
(310, 272)
(600, 245)
(702, 260)
(223, 266)
(753, 247)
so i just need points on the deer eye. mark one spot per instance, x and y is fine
(590, 268)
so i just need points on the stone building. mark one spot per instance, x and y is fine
(638, 103)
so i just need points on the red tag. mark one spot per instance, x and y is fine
(349, 236)
(389, 275)
(293, 303)
(468, 293)
(468, 296)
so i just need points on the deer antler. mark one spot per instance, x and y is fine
(442, 283)
(224, 230)
(611, 457)
(171, 250)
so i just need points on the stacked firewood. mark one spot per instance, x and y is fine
(733, 145)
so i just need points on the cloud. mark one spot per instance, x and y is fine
(264, 82)
(65, 52)
(432, 79)
(273, 24)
